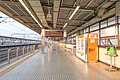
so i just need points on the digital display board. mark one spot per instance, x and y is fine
(53, 34)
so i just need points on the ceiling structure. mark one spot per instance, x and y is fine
(55, 14)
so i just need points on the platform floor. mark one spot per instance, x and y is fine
(59, 64)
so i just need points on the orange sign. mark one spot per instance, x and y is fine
(92, 35)
(92, 47)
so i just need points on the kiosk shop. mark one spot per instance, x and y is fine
(86, 47)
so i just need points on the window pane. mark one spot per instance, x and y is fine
(86, 30)
(111, 21)
(114, 41)
(103, 24)
(103, 42)
(119, 34)
(94, 27)
(108, 32)
(81, 31)
(119, 19)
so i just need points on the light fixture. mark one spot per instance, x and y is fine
(89, 3)
(49, 16)
(21, 1)
(74, 12)
(65, 25)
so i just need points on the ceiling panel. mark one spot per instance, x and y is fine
(63, 13)
(61, 21)
(74, 23)
(84, 2)
(35, 3)
(68, 3)
(16, 9)
(82, 15)
(8, 9)
(76, 15)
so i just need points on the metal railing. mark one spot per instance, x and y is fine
(15, 52)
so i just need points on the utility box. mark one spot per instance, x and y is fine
(86, 47)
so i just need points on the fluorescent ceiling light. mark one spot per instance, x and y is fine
(21, 1)
(89, 3)
(65, 25)
(74, 12)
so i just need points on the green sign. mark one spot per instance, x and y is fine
(110, 50)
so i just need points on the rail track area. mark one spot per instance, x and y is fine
(10, 54)
(12, 49)
(58, 63)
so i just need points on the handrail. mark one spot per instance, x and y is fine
(16, 51)
(7, 46)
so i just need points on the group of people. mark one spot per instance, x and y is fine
(43, 46)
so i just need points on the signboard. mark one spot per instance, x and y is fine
(80, 47)
(53, 34)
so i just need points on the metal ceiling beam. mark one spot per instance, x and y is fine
(71, 8)
(46, 4)
(104, 6)
(30, 23)
(67, 28)
(61, 25)
(11, 9)
(94, 20)
(26, 2)
(76, 20)
(9, 2)
(84, 10)
(100, 6)
(17, 19)
(55, 12)
(45, 24)
(22, 16)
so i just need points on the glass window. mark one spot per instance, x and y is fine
(111, 21)
(94, 27)
(103, 42)
(86, 30)
(113, 41)
(81, 31)
(97, 32)
(119, 34)
(119, 19)
(108, 31)
(109, 41)
(103, 24)
(109, 36)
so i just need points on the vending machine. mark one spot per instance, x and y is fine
(86, 47)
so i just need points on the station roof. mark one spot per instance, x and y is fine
(55, 14)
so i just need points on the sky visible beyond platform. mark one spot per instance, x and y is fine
(10, 27)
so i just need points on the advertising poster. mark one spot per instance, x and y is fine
(80, 47)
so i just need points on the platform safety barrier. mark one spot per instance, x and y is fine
(11, 53)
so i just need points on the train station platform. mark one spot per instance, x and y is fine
(58, 63)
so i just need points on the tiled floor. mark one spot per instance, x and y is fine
(59, 64)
